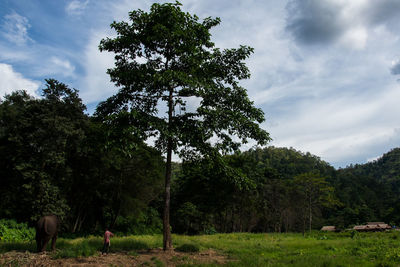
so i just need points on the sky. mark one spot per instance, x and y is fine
(326, 73)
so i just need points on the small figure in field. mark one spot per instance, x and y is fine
(107, 236)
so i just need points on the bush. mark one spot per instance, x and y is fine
(210, 231)
(188, 248)
(11, 231)
(354, 234)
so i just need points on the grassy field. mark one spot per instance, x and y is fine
(243, 249)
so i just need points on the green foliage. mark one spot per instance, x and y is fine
(127, 244)
(54, 159)
(369, 192)
(165, 57)
(148, 222)
(354, 234)
(11, 231)
(37, 141)
(81, 249)
(251, 191)
(95, 173)
(244, 249)
(188, 217)
(312, 193)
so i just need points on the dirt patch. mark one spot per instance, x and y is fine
(154, 257)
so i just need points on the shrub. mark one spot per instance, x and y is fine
(354, 234)
(210, 231)
(11, 231)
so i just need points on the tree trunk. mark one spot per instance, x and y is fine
(76, 223)
(167, 240)
(310, 213)
(116, 214)
(81, 222)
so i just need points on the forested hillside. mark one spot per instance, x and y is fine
(369, 192)
(54, 158)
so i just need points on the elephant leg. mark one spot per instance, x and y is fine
(53, 242)
(46, 240)
(38, 243)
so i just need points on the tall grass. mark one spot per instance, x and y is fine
(315, 249)
(91, 245)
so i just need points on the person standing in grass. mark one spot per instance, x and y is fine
(106, 246)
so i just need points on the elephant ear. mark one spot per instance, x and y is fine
(50, 225)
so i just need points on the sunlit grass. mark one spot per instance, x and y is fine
(245, 249)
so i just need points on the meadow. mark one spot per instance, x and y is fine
(245, 249)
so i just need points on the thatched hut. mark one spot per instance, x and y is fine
(360, 228)
(372, 227)
(329, 228)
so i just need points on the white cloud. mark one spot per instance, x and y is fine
(96, 83)
(11, 81)
(15, 28)
(329, 92)
(342, 129)
(355, 37)
(62, 66)
(53, 65)
(76, 7)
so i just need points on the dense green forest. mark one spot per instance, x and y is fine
(55, 158)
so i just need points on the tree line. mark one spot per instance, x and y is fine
(177, 89)
(57, 159)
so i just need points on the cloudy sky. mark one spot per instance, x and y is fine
(325, 72)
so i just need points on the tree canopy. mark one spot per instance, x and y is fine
(166, 56)
(54, 158)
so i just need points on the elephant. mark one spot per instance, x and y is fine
(47, 227)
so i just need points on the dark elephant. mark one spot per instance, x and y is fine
(47, 227)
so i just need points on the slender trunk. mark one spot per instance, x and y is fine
(226, 220)
(167, 240)
(114, 220)
(76, 223)
(304, 217)
(310, 212)
(81, 222)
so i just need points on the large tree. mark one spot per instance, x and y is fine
(165, 56)
(313, 192)
(39, 139)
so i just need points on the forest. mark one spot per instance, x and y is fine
(114, 168)
(55, 158)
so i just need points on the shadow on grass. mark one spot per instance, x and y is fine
(89, 247)
(77, 247)
(18, 246)
(128, 244)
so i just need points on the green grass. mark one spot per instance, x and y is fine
(244, 249)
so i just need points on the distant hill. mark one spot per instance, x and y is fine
(370, 191)
(385, 168)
